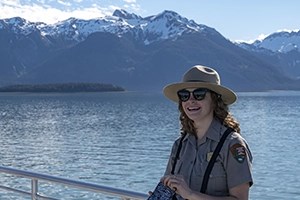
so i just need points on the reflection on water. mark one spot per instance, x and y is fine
(123, 140)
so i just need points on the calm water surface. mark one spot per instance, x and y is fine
(123, 140)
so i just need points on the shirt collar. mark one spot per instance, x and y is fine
(214, 131)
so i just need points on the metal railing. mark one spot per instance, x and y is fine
(36, 177)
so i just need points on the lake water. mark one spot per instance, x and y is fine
(123, 140)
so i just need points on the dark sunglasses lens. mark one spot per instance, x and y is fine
(199, 94)
(183, 95)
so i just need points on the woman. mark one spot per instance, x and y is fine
(203, 104)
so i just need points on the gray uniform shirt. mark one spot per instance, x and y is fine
(232, 166)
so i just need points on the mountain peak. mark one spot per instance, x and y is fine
(283, 41)
(125, 15)
(169, 13)
(16, 21)
(20, 25)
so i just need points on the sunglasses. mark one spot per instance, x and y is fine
(198, 94)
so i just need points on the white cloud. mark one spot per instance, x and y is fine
(44, 10)
(46, 13)
(262, 36)
(64, 3)
(132, 5)
(113, 7)
(42, 1)
(10, 2)
(129, 1)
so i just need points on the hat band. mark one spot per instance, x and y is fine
(195, 81)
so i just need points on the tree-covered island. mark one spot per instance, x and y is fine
(62, 87)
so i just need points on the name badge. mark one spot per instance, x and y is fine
(208, 156)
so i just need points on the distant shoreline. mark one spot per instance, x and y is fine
(62, 88)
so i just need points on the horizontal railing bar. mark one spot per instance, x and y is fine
(24, 192)
(78, 184)
(14, 190)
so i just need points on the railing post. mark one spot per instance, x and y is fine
(34, 189)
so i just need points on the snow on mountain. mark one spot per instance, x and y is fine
(282, 49)
(79, 29)
(169, 24)
(19, 25)
(69, 51)
(166, 25)
(282, 42)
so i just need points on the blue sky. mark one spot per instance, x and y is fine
(234, 19)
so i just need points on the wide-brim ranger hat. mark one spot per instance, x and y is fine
(200, 77)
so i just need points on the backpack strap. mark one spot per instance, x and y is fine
(178, 152)
(213, 159)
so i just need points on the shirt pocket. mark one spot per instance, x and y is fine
(217, 183)
(197, 175)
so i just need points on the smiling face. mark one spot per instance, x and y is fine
(200, 111)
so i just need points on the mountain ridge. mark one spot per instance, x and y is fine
(281, 49)
(128, 50)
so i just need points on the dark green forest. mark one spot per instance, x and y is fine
(62, 87)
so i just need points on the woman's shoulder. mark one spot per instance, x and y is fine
(236, 142)
(180, 138)
(235, 137)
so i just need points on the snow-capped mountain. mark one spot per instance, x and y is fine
(166, 25)
(281, 49)
(282, 42)
(130, 51)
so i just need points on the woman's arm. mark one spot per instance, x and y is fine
(177, 183)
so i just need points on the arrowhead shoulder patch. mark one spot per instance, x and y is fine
(238, 151)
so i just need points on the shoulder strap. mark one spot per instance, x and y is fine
(213, 159)
(178, 152)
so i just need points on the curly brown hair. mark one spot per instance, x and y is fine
(221, 112)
